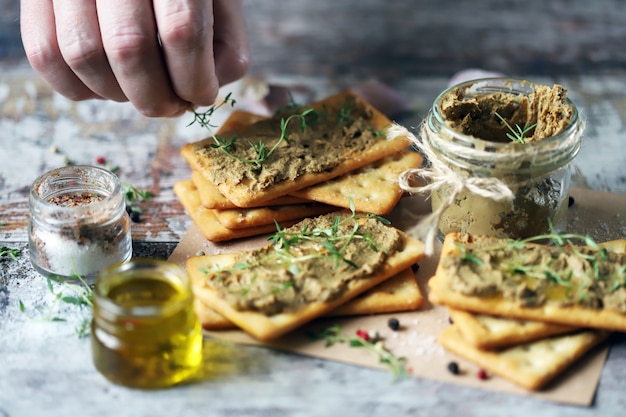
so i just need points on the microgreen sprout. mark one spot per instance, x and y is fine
(334, 334)
(517, 134)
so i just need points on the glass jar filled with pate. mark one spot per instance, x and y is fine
(78, 222)
(500, 153)
(145, 333)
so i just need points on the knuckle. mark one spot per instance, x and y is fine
(183, 28)
(126, 46)
(80, 55)
(41, 59)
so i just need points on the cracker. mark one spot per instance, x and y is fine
(243, 218)
(441, 292)
(399, 293)
(373, 188)
(531, 365)
(207, 222)
(203, 158)
(211, 198)
(266, 327)
(489, 332)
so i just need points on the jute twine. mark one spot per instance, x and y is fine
(438, 175)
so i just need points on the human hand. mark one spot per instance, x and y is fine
(161, 55)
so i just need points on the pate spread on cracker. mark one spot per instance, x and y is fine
(397, 294)
(577, 286)
(273, 157)
(308, 270)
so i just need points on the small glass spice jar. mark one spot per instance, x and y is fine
(509, 188)
(78, 222)
(145, 333)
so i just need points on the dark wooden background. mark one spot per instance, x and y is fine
(400, 38)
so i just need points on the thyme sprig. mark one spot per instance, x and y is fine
(517, 133)
(560, 276)
(6, 253)
(328, 237)
(81, 296)
(133, 196)
(334, 334)
(260, 150)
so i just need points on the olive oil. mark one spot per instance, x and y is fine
(145, 332)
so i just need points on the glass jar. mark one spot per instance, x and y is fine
(145, 333)
(537, 173)
(78, 222)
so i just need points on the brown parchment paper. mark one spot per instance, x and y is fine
(598, 214)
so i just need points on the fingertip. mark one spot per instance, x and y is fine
(170, 109)
(232, 67)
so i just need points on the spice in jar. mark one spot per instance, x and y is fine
(145, 333)
(78, 222)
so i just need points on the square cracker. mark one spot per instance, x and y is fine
(531, 365)
(202, 157)
(266, 327)
(373, 188)
(211, 198)
(244, 218)
(489, 332)
(207, 222)
(399, 293)
(441, 292)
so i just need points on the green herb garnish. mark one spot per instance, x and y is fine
(332, 335)
(81, 295)
(329, 238)
(517, 134)
(6, 253)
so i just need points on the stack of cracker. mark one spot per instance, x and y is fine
(228, 206)
(363, 178)
(527, 344)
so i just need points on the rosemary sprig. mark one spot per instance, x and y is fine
(333, 334)
(517, 134)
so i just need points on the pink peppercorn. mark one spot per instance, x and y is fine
(482, 374)
(363, 334)
(101, 160)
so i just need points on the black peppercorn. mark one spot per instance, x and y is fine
(135, 216)
(453, 367)
(570, 201)
(393, 323)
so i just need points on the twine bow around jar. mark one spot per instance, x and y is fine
(440, 174)
(525, 184)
